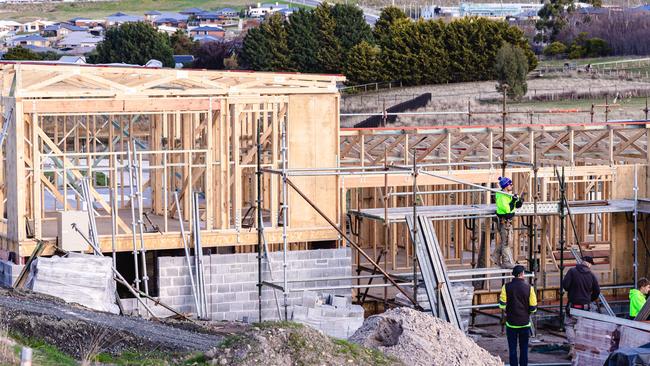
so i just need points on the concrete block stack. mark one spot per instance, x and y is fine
(334, 315)
(80, 278)
(231, 281)
(9, 273)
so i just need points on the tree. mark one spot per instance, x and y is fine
(265, 48)
(388, 16)
(182, 44)
(511, 69)
(554, 49)
(363, 64)
(212, 55)
(329, 54)
(302, 41)
(134, 43)
(351, 26)
(20, 53)
(552, 19)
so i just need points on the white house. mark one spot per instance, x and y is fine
(263, 9)
(35, 26)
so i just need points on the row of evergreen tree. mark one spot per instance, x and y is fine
(336, 39)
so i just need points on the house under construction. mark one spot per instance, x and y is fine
(167, 152)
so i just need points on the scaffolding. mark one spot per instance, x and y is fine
(530, 211)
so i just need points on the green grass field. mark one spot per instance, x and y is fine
(66, 11)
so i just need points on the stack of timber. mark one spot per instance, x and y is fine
(79, 278)
(598, 335)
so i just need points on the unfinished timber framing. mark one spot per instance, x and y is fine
(187, 131)
(203, 136)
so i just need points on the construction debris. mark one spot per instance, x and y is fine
(333, 315)
(78, 278)
(418, 338)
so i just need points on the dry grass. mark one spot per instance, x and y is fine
(99, 341)
(544, 94)
(7, 347)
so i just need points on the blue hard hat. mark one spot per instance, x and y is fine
(504, 182)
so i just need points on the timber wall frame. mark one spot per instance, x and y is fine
(192, 131)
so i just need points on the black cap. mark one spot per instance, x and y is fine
(588, 259)
(517, 270)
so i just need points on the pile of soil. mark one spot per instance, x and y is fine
(78, 331)
(287, 343)
(418, 338)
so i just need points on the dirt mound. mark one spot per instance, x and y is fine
(78, 331)
(287, 343)
(418, 338)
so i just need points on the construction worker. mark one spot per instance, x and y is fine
(506, 205)
(638, 296)
(583, 289)
(519, 300)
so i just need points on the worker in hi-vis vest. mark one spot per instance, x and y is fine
(506, 206)
(519, 300)
(638, 296)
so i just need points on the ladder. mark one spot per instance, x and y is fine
(433, 270)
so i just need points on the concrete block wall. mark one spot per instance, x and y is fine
(9, 272)
(231, 281)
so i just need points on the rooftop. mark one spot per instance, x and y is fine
(207, 28)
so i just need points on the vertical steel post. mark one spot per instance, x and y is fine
(133, 223)
(562, 242)
(260, 227)
(503, 133)
(414, 229)
(114, 213)
(138, 195)
(186, 247)
(636, 227)
(285, 220)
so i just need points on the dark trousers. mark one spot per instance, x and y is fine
(520, 335)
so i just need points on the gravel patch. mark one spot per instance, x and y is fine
(419, 339)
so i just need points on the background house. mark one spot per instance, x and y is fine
(121, 18)
(83, 40)
(28, 40)
(171, 20)
(59, 30)
(217, 32)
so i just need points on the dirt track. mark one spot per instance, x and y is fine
(76, 331)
